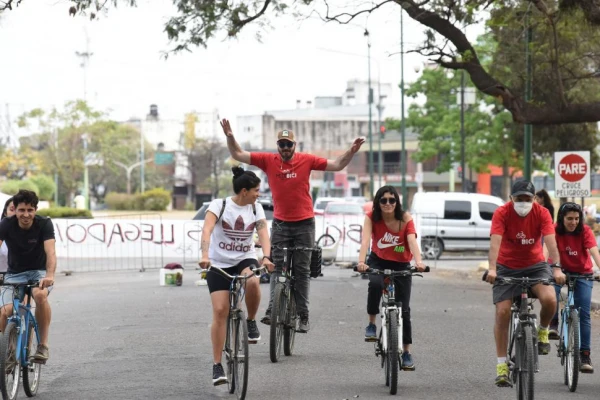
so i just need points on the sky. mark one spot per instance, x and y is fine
(295, 60)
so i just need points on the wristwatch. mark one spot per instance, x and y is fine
(268, 258)
(556, 265)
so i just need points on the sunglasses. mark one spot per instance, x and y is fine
(285, 144)
(385, 200)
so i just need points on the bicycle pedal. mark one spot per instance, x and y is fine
(371, 340)
(252, 341)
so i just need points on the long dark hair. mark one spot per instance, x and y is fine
(560, 219)
(398, 211)
(6, 207)
(542, 194)
(243, 179)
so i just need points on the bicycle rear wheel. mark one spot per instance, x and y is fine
(32, 371)
(572, 352)
(10, 370)
(525, 365)
(278, 318)
(240, 355)
(291, 325)
(393, 362)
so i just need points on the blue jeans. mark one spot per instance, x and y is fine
(583, 301)
(6, 295)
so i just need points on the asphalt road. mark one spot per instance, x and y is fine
(119, 335)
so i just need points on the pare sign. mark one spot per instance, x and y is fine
(572, 177)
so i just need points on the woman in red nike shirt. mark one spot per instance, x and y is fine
(576, 246)
(391, 233)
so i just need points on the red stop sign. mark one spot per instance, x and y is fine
(572, 168)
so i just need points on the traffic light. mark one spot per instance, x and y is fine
(382, 131)
(460, 172)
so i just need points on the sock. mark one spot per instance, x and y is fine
(543, 328)
(501, 360)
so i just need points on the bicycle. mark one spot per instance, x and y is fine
(284, 315)
(389, 344)
(236, 339)
(569, 339)
(522, 349)
(18, 344)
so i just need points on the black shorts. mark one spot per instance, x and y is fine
(216, 281)
(508, 292)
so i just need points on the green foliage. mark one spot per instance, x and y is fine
(153, 200)
(157, 199)
(64, 212)
(46, 186)
(13, 186)
(120, 201)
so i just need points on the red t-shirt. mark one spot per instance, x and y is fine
(521, 236)
(290, 183)
(573, 250)
(388, 245)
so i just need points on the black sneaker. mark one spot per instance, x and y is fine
(253, 333)
(304, 324)
(586, 363)
(267, 318)
(219, 377)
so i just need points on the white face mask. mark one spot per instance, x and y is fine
(523, 207)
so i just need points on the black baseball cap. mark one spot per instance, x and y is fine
(523, 188)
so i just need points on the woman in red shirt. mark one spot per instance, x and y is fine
(391, 233)
(576, 246)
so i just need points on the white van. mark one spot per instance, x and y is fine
(453, 221)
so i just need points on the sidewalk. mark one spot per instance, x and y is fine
(482, 265)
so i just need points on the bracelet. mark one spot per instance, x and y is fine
(268, 258)
(555, 266)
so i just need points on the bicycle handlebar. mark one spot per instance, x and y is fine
(519, 281)
(389, 272)
(255, 272)
(576, 276)
(32, 284)
(299, 248)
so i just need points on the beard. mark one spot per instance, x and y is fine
(286, 154)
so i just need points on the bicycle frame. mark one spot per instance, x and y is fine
(388, 303)
(566, 312)
(22, 317)
(522, 317)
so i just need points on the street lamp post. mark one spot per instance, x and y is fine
(403, 123)
(464, 101)
(370, 114)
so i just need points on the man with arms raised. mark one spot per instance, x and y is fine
(289, 172)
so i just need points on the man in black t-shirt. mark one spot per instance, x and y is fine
(31, 257)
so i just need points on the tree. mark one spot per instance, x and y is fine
(198, 21)
(45, 185)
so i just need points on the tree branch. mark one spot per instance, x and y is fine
(590, 8)
(351, 16)
(550, 16)
(241, 23)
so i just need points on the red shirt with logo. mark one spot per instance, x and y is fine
(290, 183)
(573, 250)
(521, 236)
(389, 245)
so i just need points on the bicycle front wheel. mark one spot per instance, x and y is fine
(291, 325)
(278, 318)
(240, 355)
(393, 363)
(572, 349)
(525, 365)
(32, 371)
(9, 365)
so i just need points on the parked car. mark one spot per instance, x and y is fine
(453, 221)
(343, 208)
(322, 202)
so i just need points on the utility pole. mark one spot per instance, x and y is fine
(85, 60)
(462, 131)
(403, 123)
(528, 127)
(370, 115)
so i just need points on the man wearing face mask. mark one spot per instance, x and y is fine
(516, 251)
(289, 172)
